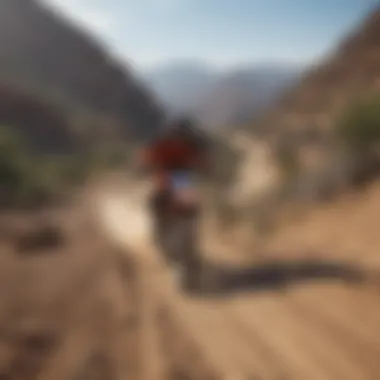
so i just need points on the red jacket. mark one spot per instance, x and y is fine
(169, 154)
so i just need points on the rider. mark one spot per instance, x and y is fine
(180, 147)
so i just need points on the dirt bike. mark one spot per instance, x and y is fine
(177, 229)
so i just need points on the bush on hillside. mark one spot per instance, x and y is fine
(30, 179)
(288, 163)
(358, 130)
(359, 126)
(18, 180)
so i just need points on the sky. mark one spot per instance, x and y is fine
(221, 33)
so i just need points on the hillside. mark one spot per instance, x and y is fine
(350, 72)
(300, 129)
(44, 126)
(243, 95)
(220, 97)
(47, 58)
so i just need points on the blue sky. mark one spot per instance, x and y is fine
(222, 33)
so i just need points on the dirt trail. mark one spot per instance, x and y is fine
(66, 310)
(266, 323)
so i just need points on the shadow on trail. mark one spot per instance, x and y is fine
(224, 281)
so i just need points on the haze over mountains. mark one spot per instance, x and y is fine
(220, 97)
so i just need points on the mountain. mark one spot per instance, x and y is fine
(49, 66)
(300, 129)
(220, 98)
(242, 96)
(181, 86)
(351, 71)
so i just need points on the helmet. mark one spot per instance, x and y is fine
(181, 127)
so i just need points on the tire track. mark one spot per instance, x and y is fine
(326, 358)
(362, 351)
(302, 334)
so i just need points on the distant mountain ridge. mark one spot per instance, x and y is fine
(180, 87)
(242, 96)
(220, 97)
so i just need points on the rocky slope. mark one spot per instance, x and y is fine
(350, 72)
(304, 119)
(46, 58)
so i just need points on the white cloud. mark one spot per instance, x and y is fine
(96, 20)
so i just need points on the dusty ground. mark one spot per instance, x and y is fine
(286, 318)
(73, 307)
(67, 309)
(76, 307)
(345, 229)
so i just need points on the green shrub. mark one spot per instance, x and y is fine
(15, 176)
(359, 126)
(29, 179)
(288, 162)
(358, 130)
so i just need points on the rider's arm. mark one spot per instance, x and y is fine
(145, 161)
(146, 157)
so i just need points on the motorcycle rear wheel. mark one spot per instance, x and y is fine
(187, 254)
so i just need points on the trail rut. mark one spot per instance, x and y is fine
(315, 331)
